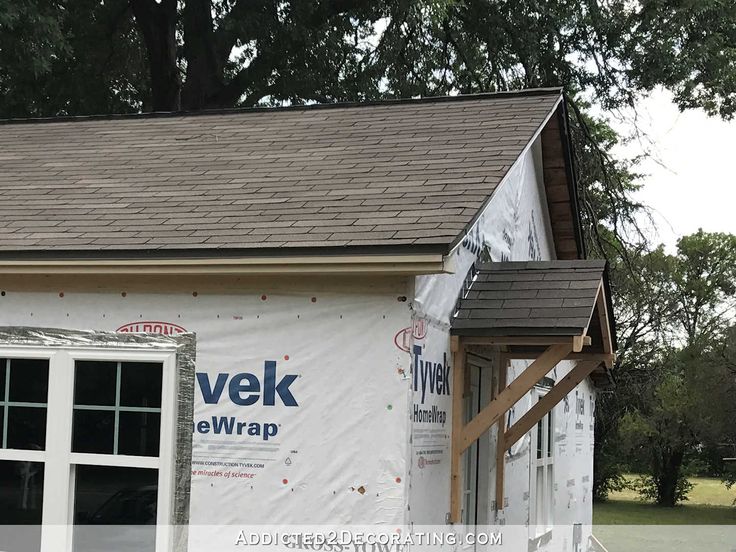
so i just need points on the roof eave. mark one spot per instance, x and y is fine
(395, 264)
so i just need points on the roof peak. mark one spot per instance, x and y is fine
(301, 107)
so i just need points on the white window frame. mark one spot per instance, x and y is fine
(476, 466)
(545, 464)
(57, 456)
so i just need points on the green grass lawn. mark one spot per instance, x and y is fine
(710, 504)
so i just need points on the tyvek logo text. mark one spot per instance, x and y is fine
(244, 389)
(433, 376)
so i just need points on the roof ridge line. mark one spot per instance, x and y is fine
(301, 107)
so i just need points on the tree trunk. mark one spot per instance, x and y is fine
(671, 464)
(204, 69)
(157, 24)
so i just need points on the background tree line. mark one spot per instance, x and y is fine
(673, 412)
(675, 372)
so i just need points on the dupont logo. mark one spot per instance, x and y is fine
(423, 462)
(149, 326)
(418, 330)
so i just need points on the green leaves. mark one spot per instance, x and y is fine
(676, 372)
(69, 58)
(331, 50)
(704, 280)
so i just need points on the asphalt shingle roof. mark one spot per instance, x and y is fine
(530, 298)
(396, 173)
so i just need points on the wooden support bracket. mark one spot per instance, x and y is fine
(494, 413)
(511, 394)
(529, 355)
(581, 371)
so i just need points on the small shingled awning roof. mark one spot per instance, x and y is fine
(529, 305)
(543, 312)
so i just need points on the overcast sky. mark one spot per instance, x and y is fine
(689, 180)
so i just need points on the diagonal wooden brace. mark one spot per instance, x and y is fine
(511, 394)
(581, 371)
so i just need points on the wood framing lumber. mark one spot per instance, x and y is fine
(512, 393)
(458, 380)
(531, 341)
(581, 371)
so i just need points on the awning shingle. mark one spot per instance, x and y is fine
(552, 298)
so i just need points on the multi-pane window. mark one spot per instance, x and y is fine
(86, 440)
(117, 408)
(542, 472)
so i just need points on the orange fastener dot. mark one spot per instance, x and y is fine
(284, 481)
(61, 294)
(263, 297)
(398, 480)
(286, 357)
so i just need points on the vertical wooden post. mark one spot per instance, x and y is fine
(458, 384)
(501, 442)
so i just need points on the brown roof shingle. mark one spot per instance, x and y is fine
(395, 173)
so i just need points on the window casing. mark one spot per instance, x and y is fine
(481, 388)
(56, 471)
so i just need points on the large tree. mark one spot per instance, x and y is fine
(75, 57)
(679, 407)
(84, 56)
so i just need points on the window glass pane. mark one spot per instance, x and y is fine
(539, 499)
(29, 380)
(22, 492)
(115, 496)
(93, 431)
(21, 501)
(550, 435)
(95, 382)
(140, 384)
(105, 497)
(540, 433)
(548, 495)
(3, 364)
(139, 433)
(26, 428)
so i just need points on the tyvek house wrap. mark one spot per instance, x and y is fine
(514, 226)
(324, 440)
